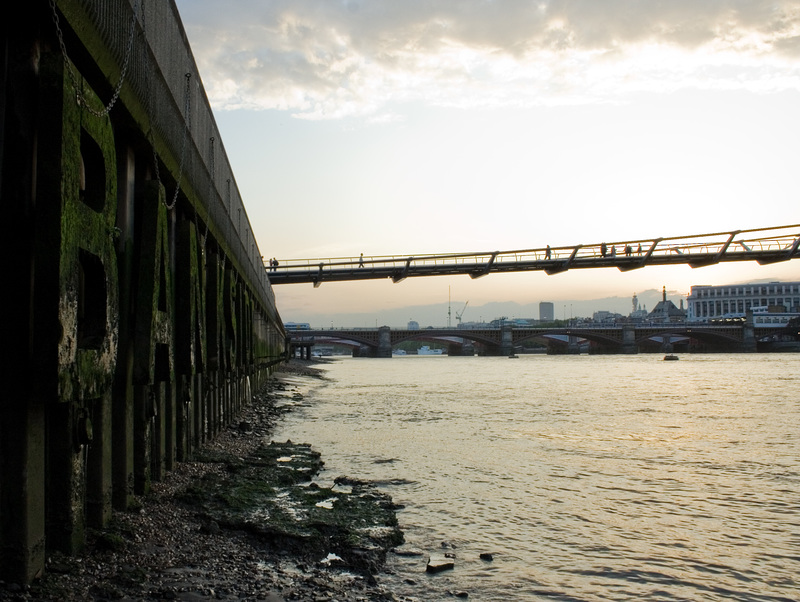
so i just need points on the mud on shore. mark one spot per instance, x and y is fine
(243, 520)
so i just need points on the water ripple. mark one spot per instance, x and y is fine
(588, 478)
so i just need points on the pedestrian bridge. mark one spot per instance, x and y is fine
(624, 338)
(763, 245)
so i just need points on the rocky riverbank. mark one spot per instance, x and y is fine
(242, 521)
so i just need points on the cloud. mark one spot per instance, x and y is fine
(329, 59)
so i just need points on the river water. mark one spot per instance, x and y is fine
(586, 477)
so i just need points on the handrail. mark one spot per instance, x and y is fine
(764, 245)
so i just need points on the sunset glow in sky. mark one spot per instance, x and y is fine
(422, 126)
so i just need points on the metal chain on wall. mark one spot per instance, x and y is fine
(151, 107)
(79, 97)
(187, 109)
(128, 74)
(213, 170)
(83, 102)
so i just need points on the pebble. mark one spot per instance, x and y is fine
(171, 554)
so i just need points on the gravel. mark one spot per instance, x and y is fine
(164, 550)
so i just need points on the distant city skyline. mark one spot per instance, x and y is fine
(436, 314)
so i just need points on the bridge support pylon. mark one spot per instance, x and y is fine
(629, 339)
(384, 342)
(506, 339)
(749, 333)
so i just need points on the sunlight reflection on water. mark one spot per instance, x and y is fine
(588, 478)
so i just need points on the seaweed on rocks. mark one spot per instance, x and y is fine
(270, 494)
(241, 520)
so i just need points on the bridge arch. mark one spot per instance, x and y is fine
(625, 338)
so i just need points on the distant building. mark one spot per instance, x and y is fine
(707, 303)
(546, 311)
(665, 311)
(605, 317)
(638, 311)
(413, 325)
(520, 322)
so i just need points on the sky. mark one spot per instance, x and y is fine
(423, 126)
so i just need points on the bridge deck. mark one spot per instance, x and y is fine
(609, 333)
(764, 245)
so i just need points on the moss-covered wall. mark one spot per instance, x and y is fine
(142, 330)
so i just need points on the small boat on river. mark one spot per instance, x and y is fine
(670, 357)
(426, 350)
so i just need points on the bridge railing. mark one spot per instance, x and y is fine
(765, 245)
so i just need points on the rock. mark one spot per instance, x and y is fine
(350, 481)
(486, 556)
(169, 552)
(407, 552)
(211, 527)
(437, 564)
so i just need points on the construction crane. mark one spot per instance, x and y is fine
(461, 313)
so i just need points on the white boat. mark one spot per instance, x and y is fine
(426, 350)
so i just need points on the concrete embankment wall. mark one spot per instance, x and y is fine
(136, 314)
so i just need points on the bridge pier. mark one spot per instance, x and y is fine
(749, 343)
(465, 348)
(506, 339)
(629, 339)
(384, 342)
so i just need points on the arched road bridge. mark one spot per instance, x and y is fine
(763, 245)
(623, 338)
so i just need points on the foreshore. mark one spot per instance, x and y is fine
(170, 548)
